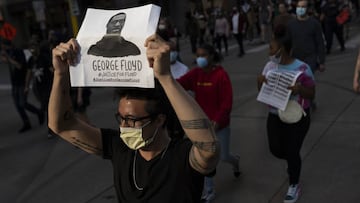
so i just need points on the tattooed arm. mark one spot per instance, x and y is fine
(61, 116)
(204, 154)
(356, 82)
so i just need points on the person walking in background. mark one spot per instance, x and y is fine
(331, 27)
(15, 59)
(202, 27)
(238, 25)
(192, 30)
(213, 92)
(356, 80)
(80, 97)
(283, 17)
(307, 40)
(221, 32)
(285, 140)
(40, 74)
(265, 17)
(177, 68)
(251, 20)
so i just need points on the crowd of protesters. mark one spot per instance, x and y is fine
(278, 23)
(252, 19)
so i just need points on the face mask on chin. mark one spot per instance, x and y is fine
(275, 58)
(133, 137)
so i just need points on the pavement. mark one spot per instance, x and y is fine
(35, 169)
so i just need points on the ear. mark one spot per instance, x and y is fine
(160, 120)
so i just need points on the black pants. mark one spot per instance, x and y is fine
(285, 141)
(239, 39)
(21, 104)
(331, 29)
(193, 43)
(218, 39)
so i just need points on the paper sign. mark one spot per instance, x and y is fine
(112, 48)
(275, 92)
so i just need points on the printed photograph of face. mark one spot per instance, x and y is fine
(112, 44)
(116, 24)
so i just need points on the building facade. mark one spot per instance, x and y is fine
(40, 16)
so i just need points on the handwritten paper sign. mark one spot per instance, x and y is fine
(112, 48)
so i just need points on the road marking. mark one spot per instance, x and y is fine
(258, 48)
(5, 86)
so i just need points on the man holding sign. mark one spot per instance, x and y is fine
(148, 165)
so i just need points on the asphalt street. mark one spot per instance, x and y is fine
(35, 169)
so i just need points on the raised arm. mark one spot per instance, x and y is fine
(61, 116)
(356, 85)
(204, 154)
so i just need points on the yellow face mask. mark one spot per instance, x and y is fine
(133, 138)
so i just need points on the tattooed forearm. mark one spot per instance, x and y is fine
(196, 124)
(195, 162)
(77, 142)
(206, 146)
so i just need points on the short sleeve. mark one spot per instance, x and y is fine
(108, 141)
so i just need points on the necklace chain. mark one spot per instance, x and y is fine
(134, 167)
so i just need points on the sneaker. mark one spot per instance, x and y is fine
(208, 196)
(292, 194)
(236, 168)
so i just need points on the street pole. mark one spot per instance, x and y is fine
(74, 12)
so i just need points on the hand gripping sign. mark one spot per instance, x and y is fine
(112, 48)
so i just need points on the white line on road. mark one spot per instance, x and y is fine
(5, 86)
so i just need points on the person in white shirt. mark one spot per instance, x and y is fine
(177, 68)
(221, 32)
(238, 21)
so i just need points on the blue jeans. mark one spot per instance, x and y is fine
(223, 136)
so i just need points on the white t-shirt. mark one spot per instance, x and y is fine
(178, 69)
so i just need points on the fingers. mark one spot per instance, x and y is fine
(67, 52)
(153, 38)
(156, 49)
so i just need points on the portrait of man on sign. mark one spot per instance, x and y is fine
(112, 43)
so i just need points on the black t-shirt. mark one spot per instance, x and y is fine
(17, 75)
(166, 178)
(40, 68)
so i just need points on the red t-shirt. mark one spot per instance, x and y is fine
(213, 92)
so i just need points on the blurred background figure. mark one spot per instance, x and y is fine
(222, 29)
(265, 18)
(80, 97)
(283, 17)
(331, 27)
(192, 30)
(40, 73)
(177, 68)
(16, 61)
(213, 92)
(238, 25)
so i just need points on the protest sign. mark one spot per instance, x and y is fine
(275, 92)
(112, 48)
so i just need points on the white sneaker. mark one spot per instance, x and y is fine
(292, 194)
(208, 196)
